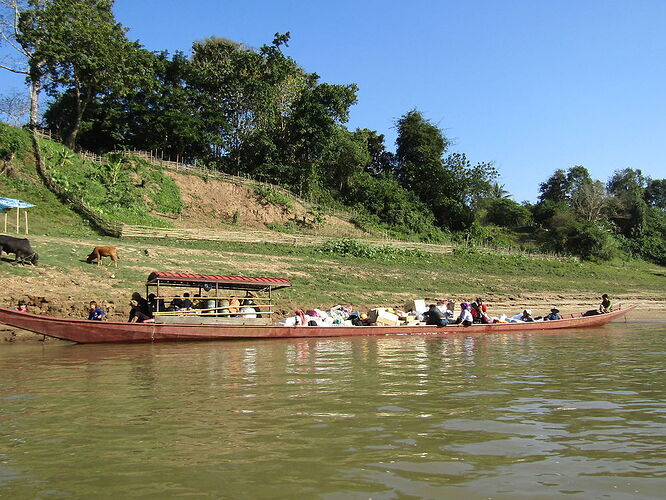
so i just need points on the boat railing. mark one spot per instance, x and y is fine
(214, 311)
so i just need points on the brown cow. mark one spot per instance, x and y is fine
(99, 252)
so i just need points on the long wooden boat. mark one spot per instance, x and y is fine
(85, 332)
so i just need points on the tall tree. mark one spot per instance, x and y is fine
(655, 193)
(81, 49)
(23, 60)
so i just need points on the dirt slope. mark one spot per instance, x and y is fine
(213, 203)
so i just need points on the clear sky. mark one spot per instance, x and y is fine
(532, 85)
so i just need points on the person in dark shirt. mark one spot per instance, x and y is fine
(187, 303)
(554, 315)
(141, 310)
(606, 305)
(94, 312)
(433, 316)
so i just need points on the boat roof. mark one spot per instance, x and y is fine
(228, 282)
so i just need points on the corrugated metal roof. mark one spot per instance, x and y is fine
(235, 281)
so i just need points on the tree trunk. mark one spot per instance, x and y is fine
(34, 103)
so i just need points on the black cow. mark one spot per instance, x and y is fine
(19, 247)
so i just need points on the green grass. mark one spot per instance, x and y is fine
(123, 189)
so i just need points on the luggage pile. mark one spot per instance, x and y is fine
(410, 315)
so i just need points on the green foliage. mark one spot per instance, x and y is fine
(123, 189)
(354, 248)
(275, 197)
(583, 239)
(506, 213)
(77, 47)
(449, 186)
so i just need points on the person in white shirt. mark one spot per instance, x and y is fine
(465, 315)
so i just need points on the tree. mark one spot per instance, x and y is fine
(555, 188)
(381, 160)
(81, 49)
(630, 210)
(24, 61)
(589, 200)
(14, 106)
(655, 193)
(420, 147)
(499, 191)
(451, 185)
(506, 213)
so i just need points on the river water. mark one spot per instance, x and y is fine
(575, 414)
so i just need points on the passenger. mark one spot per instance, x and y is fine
(554, 315)
(248, 312)
(94, 312)
(525, 316)
(465, 316)
(187, 303)
(21, 307)
(234, 304)
(137, 315)
(249, 301)
(606, 305)
(478, 311)
(434, 316)
(176, 305)
(141, 310)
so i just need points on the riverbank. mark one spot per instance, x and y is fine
(64, 283)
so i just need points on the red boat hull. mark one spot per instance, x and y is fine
(87, 332)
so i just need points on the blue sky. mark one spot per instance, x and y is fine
(532, 85)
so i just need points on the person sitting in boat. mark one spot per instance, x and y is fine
(554, 315)
(140, 311)
(248, 306)
(21, 307)
(606, 306)
(525, 316)
(94, 312)
(478, 310)
(176, 304)
(234, 305)
(465, 316)
(186, 303)
(434, 316)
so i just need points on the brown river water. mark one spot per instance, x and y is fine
(573, 414)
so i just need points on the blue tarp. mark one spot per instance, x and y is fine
(8, 203)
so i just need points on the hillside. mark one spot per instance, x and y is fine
(129, 189)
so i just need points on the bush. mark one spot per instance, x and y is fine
(274, 197)
(506, 213)
(583, 239)
(355, 248)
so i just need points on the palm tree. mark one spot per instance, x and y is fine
(498, 191)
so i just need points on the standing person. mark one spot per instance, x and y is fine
(94, 312)
(465, 316)
(606, 305)
(434, 316)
